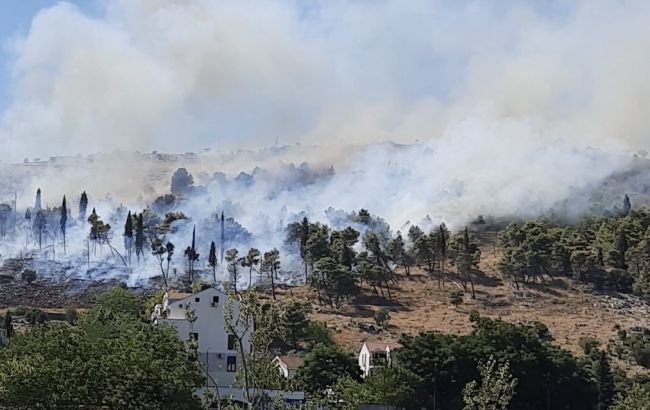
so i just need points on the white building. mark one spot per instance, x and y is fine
(377, 354)
(288, 365)
(216, 347)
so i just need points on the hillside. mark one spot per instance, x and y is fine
(419, 305)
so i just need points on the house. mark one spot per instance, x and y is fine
(377, 354)
(217, 348)
(288, 365)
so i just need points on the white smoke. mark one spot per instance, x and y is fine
(504, 100)
(175, 75)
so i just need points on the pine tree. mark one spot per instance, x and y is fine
(232, 257)
(604, 380)
(64, 221)
(83, 206)
(295, 321)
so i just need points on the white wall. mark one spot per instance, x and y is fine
(210, 325)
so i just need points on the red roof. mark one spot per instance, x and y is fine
(381, 346)
(172, 296)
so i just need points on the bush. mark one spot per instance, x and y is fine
(456, 297)
(588, 344)
(318, 334)
(20, 311)
(28, 276)
(35, 316)
(382, 317)
(71, 314)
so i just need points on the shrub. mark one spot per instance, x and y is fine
(456, 297)
(382, 317)
(71, 314)
(28, 276)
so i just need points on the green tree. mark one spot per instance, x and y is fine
(132, 365)
(83, 206)
(28, 276)
(324, 366)
(233, 260)
(250, 261)
(636, 397)
(271, 266)
(295, 322)
(495, 390)
(604, 380)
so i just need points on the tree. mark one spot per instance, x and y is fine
(40, 224)
(496, 388)
(324, 366)
(212, 260)
(392, 386)
(466, 255)
(37, 202)
(57, 365)
(271, 266)
(233, 260)
(28, 276)
(139, 237)
(249, 261)
(163, 252)
(128, 235)
(192, 256)
(71, 314)
(253, 373)
(181, 182)
(604, 380)
(627, 206)
(295, 322)
(398, 254)
(83, 206)
(636, 397)
(382, 317)
(64, 220)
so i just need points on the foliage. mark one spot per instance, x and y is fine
(636, 398)
(71, 314)
(547, 376)
(28, 276)
(384, 386)
(112, 359)
(324, 366)
(120, 301)
(382, 317)
(495, 390)
(295, 322)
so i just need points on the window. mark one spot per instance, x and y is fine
(231, 342)
(197, 300)
(231, 364)
(194, 336)
(215, 301)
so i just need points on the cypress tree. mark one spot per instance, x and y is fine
(37, 203)
(83, 206)
(627, 205)
(604, 380)
(139, 237)
(212, 260)
(64, 220)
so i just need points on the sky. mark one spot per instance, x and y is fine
(15, 19)
(172, 75)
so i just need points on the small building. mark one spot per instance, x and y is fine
(288, 365)
(217, 349)
(377, 354)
